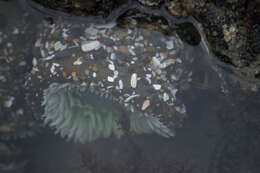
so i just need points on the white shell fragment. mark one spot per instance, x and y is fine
(157, 86)
(121, 85)
(110, 79)
(165, 97)
(53, 66)
(146, 104)
(156, 63)
(78, 61)
(173, 92)
(169, 44)
(8, 103)
(131, 97)
(34, 62)
(168, 62)
(59, 46)
(87, 46)
(111, 67)
(49, 57)
(38, 42)
(133, 81)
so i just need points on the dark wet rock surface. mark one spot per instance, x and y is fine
(231, 27)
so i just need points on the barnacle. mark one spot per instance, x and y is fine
(77, 113)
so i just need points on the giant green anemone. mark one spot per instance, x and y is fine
(84, 115)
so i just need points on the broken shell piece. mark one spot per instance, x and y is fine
(157, 86)
(148, 78)
(165, 97)
(78, 62)
(131, 97)
(133, 81)
(173, 92)
(168, 62)
(38, 43)
(87, 46)
(169, 44)
(111, 67)
(59, 46)
(8, 103)
(34, 62)
(146, 104)
(120, 82)
(156, 63)
(52, 69)
(110, 79)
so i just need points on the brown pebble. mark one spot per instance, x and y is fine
(124, 49)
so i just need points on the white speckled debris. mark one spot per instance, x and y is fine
(87, 46)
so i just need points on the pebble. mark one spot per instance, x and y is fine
(165, 97)
(59, 46)
(8, 103)
(110, 79)
(53, 66)
(157, 86)
(78, 62)
(169, 44)
(173, 92)
(131, 97)
(120, 82)
(133, 81)
(87, 46)
(111, 67)
(146, 104)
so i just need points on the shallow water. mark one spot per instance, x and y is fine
(220, 134)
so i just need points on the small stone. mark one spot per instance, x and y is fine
(124, 49)
(169, 44)
(146, 104)
(157, 86)
(110, 79)
(78, 62)
(38, 43)
(120, 82)
(87, 46)
(59, 46)
(52, 69)
(133, 81)
(8, 103)
(165, 97)
(111, 67)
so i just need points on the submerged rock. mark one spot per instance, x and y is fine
(93, 99)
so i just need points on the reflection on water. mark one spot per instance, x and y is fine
(162, 76)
